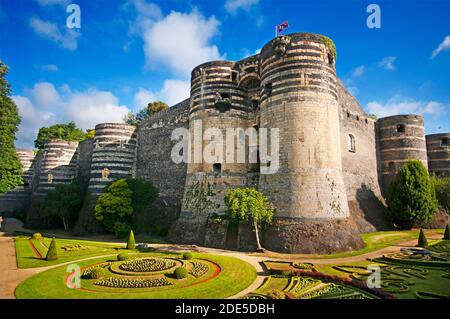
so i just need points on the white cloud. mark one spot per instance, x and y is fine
(50, 31)
(444, 45)
(181, 41)
(146, 14)
(50, 68)
(400, 105)
(387, 63)
(45, 105)
(172, 92)
(232, 6)
(358, 72)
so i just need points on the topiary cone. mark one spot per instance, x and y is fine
(131, 242)
(423, 242)
(52, 253)
(447, 233)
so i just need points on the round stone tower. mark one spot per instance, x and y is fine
(299, 97)
(218, 104)
(438, 150)
(58, 165)
(401, 138)
(113, 155)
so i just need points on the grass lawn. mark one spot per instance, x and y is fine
(235, 276)
(27, 258)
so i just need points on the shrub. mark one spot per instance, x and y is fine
(447, 233)
(187, 255)
(442, 188)
(276, 294)
(124, 256)
(180, 273)
(52, 253)
(422, 242)
(131, 242)
(411, 197)
(37, 236)
(97, 273)
(281, 272)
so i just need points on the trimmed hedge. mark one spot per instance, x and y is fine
(52, 253)
(187, 255)
(37, 236)
(131, 241)
(124, 256)
(447, 233)
(97, 273)
(180, 273)
(422, 242)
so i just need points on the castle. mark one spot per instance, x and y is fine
(335, 161)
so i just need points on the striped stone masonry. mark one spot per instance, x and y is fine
(113, 155)
(438, 152)
(401, 138)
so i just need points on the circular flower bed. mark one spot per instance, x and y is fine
(198, 269)
(147, 264)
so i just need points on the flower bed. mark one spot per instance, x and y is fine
(147, 264)
(198, 269)
(115, 282)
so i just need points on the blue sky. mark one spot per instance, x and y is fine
(127, 53)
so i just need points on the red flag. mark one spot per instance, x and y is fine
(281, 27)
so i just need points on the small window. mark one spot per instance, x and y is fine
(351, 143)
(224, 96)
(391, 166)
(367, 122)
(255, 104)
(401, 128)
(234, 76)
(444, 142)
(348, 114)
(217, 168)
(357, 117)
(268, 89)
(330, 59)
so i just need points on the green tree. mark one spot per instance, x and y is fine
(151, 109)
(52, 253)
(67, 132)
(411, 197)
(90, 133)
(422, 242)
(131, 244)
(64, 203)
(10, 166)
(249, 205)
(442, 189)
(115, 205)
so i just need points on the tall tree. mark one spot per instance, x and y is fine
(411, 197)
(152, 109)
(10, 166)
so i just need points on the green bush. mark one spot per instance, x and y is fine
(67, 132)
(442, 189)
(124, 256)
(180, 273)
(52, 253)
(447, 233)
(131, 242)
(37, 236)
(422, 242)
(187, 255)
(97, 273)
(411, 197)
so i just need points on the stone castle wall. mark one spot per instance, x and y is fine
(334, 168)
(438, 153)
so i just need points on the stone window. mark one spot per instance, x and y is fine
(444, 142)
(357, 117)
(268, 89)
(348, 114)
(351, 143)
(401, 128)
(234, 76)
(217, 168)
(367, 122)
(391, 167)
(255, 104)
